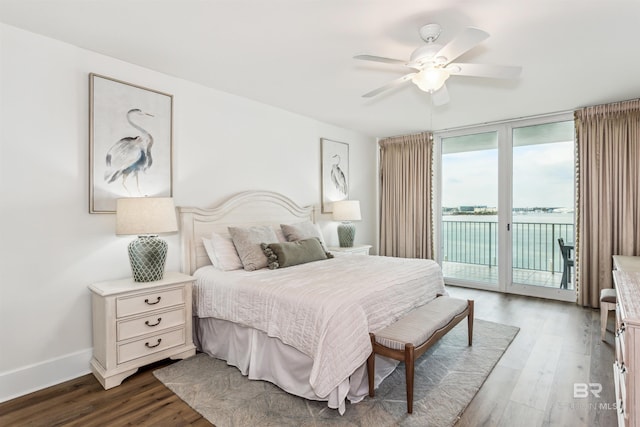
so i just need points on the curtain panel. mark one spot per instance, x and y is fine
(406, 181)
(608, 193)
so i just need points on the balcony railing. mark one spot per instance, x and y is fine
(535, 245)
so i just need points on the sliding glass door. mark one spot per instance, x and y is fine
(543, 206)
(469, 206)
(506, 198)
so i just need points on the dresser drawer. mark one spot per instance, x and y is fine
(620, 384)
(619, 404)
(618, 313)
(142, 303)
(621, 345)
(153, 344)
(153, 322)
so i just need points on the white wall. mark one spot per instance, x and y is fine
(52, 248)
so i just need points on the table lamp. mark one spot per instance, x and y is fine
(146, 217)
(346, 211)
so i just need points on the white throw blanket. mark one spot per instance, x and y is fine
(325, 309)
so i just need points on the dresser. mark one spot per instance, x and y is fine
(626, 368)
(135, 324)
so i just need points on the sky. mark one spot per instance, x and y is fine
(543, 176)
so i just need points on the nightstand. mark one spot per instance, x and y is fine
(135, 324)
(354, 250)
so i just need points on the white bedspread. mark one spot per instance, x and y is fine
(325, 309)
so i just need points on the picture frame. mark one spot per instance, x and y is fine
(130, 142)
(335, 172)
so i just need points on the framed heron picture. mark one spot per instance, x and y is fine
(130, 142)
(335, 173)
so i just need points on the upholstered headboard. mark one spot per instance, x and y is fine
(243, 209)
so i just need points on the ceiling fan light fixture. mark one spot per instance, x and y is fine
(432, 64)
(431, 79)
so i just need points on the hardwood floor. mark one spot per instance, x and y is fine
(140, 400)
(533, 384)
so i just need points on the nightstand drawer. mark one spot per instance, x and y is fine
(353, 250)
(155, 322)
(150, 345)
(142, 303)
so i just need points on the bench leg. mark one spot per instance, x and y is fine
(371, 367)
(470, 322)
(604, 317)
(409, 367)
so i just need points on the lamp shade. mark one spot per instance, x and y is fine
(346, 210)
(145, 215)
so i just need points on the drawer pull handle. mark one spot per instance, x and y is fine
(152, 303)
(155, 345)
(153, 324)
(621, 368)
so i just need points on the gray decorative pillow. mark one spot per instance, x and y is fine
(280, 255)
(302, 230)
(247, 242)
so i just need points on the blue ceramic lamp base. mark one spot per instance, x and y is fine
(147, 255)
(346, 234)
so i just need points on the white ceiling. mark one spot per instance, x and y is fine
(297, 54)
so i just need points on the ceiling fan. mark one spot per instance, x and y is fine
(432, 63)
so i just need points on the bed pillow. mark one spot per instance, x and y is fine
(303, 230)
(280, 255)
(247, 241)
(222, 252)
(279, 233)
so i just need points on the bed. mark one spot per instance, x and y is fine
(306, 327)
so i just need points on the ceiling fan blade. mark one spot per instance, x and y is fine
(380, 59)
(465, 41)
(441, 96)
(484, 70)
(391, 84)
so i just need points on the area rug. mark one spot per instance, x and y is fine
(447, 377)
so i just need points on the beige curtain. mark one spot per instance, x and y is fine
(406, 220)
(608, 196)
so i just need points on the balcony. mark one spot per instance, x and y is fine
(470, 252)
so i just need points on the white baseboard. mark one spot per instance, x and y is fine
(41, 375)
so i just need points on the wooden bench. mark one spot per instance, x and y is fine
(410, 336)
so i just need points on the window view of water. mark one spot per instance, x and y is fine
(472, 239)
(541, 187)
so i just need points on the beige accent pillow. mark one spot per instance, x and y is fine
(247, 241)
(301, 231)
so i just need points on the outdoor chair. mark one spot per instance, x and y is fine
(565, 250)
